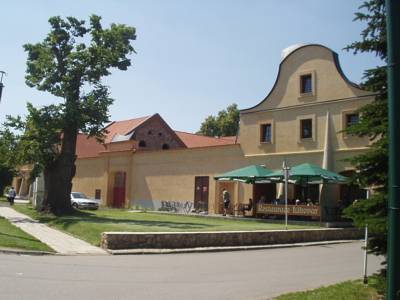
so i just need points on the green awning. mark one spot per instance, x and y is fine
(308, 174)
(249, 174)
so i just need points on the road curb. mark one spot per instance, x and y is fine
(25, 252)
(222, 249)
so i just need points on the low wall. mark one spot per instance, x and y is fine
(176, 240)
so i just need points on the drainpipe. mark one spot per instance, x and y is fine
(393, 71)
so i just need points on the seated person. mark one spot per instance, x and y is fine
(247, 207)
(297, 202)
(261, 201)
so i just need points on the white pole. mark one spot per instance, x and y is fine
(286, 174)
(286, 196)
(365, 254)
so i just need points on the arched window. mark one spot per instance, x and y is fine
(165, 146)
(142, 144)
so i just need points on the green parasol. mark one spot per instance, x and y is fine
(250, 174)
(308, 174)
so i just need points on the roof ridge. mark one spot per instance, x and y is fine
(185, 132)
(200, 135)
(145, 117)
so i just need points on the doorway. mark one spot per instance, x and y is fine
(119, 189)
(201, 185)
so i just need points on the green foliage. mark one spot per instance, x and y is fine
(373, 212)
(348, 290)
(8, 143)
(38, 136)
(70, 64)
(66, 67)
(225, 124)
(372, 166)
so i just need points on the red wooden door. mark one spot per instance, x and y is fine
(119, 189)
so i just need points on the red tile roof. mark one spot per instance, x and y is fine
(87, 147)
(90, 147)
(121, 146)
(123, 127)
(194, 140)
(232, 138)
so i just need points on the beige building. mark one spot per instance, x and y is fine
(145, 163)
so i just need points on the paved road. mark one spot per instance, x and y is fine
(258, 274)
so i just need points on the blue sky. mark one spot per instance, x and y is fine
(193, 58)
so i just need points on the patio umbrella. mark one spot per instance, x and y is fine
(308, 174)
(250, 174)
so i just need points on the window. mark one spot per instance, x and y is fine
(160, 134)
(165, 146)
(266, 133)
(352, 119)
(150, 132)
(142, 144)
(306, 84)
(306, 128)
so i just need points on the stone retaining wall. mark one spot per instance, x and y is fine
(176, 240)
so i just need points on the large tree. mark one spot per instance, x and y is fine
(372, 166)
(70, 64)
(226, 123)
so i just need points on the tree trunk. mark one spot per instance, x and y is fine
(58, 176)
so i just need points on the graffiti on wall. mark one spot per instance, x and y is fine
(176, 206)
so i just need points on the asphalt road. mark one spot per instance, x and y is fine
(256, 274)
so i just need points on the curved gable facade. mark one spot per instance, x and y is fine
(309, 84)
(328, 79)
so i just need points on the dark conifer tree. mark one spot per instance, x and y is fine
(372, 166)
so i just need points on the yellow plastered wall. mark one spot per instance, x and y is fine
(98, 173)
(91, 174)
(170, 175)
(285, 106)
(286, 129)
(121, 162)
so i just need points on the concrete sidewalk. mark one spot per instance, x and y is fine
(61, 242)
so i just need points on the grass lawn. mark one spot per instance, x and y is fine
(88, 225)
(348, 290)
(13, 237)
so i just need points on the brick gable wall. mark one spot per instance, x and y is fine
(155, 134)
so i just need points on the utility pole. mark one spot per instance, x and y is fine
(2, 73)
(393, 72)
